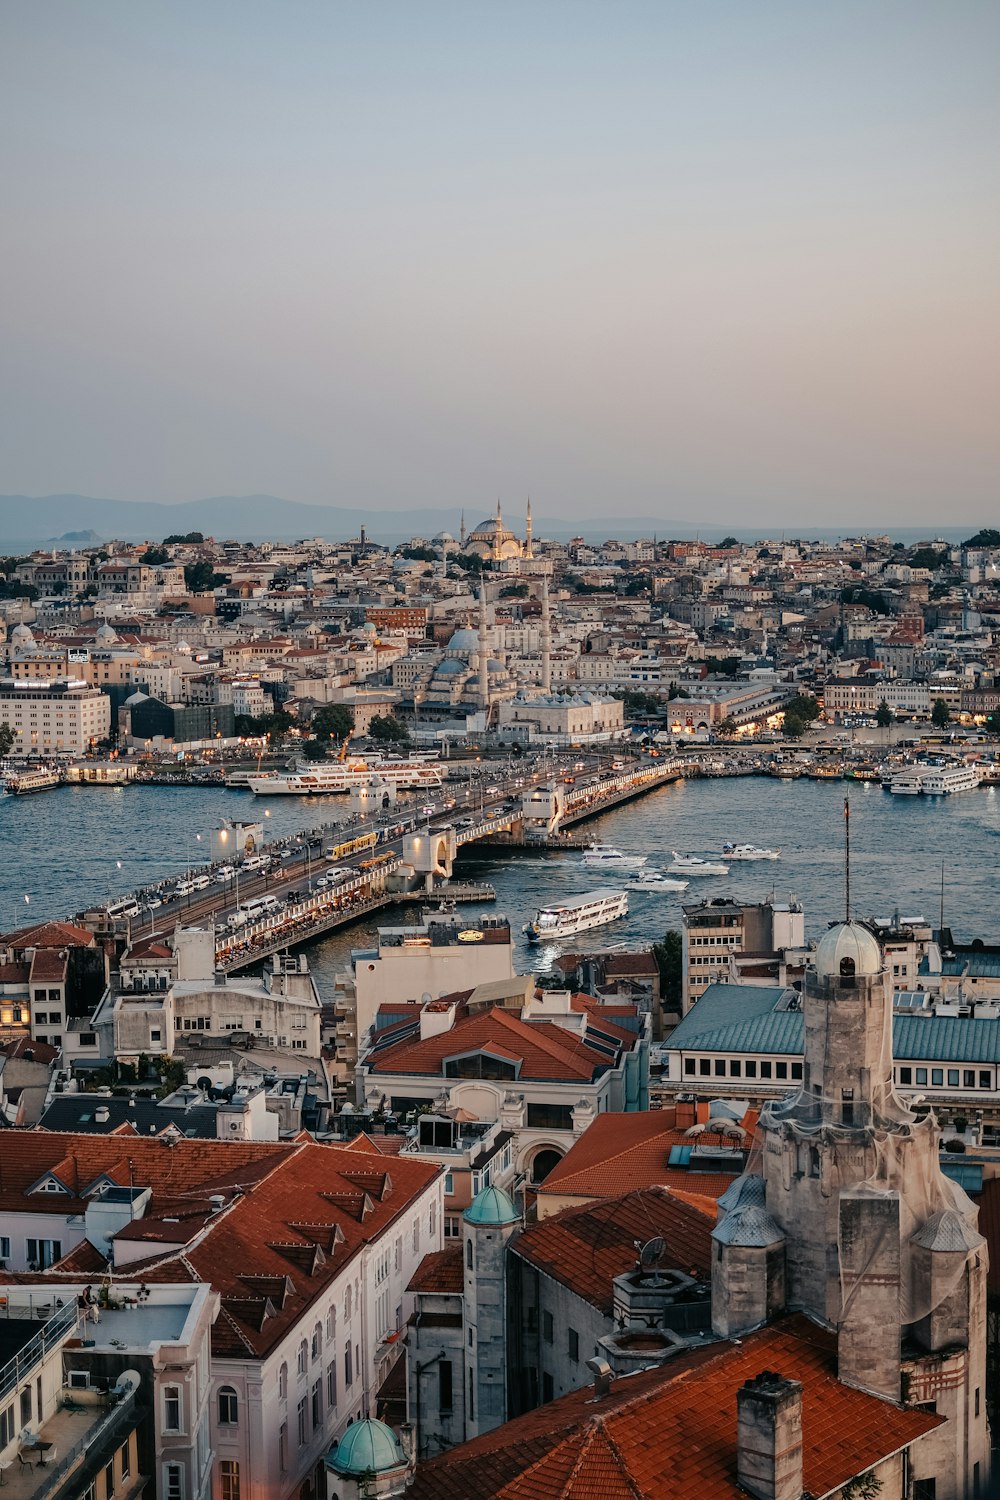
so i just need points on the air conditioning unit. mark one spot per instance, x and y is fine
(79, 1380)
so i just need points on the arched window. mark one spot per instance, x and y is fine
(347, 1305)
(229, 1406)
(283, 1383)
(303, 1357)
(847, 968)
(331, 1324)
(317, 1342)
(468, 1253)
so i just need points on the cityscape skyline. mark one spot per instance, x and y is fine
(717, 263)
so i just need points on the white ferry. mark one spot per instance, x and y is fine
(748, 851)
(693, 864)
(23, 783)
(578, 914)
(934, 781)
(322, 780)
(606, 858)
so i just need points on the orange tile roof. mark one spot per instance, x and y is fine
(49, 935)
(586, 1248)
(670, 1433)
(48, 965)
(546, 1050)
(441, 1271)
(621, 1152)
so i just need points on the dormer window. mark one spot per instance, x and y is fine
(481, 1065)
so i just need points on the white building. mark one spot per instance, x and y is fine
(65, 717)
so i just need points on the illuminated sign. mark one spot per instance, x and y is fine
(470, 935)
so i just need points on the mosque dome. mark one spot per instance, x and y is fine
(848, 940)
(464, 641)
(106, 634)
(491, 1206)
(367, 1447)
(183, 648)
(21, 635)
(450, 667)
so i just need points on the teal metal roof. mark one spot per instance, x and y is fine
(367, 1447)
(745, 1018)
(491, 1206)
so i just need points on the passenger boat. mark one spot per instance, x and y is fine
(606, 858)
(322, 780)
(748, 851)
(578, 914)
(934, 781)
(23, 783)
(693, 864)
(655, 880)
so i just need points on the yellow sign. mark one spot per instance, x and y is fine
(470, 935)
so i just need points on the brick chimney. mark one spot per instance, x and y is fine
(769, 1437)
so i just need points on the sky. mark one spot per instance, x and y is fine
(714, 259)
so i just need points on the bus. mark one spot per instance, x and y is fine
(352, 846)
(377, 862)
(127, 907)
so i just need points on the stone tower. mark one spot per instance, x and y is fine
(528, 547)
(850, 1219)
(487, 1225)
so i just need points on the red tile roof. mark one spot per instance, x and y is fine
(441, 1271)
(49, 935)
(621, 1152)
(546, 1050)
(30, 1051)
(586, 1248)
(670, 1433)
(48, 965)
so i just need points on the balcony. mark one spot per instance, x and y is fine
(82, 1436)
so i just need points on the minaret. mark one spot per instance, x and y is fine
(484, 677)
(528, 553)
(496, 534)
(546, 638)
(461, 532)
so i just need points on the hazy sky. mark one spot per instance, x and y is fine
(738, 261)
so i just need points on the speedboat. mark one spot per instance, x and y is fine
(602, 856)
(693, 864)
(655, 880)
(748, 851)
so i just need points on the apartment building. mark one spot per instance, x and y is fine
(64, 717)
(717, 933)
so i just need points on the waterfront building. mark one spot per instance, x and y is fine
(52, 974)
(577, 717)
(543, 1064)
(65, 717)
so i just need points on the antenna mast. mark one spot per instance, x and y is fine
(847, 859)
(941, 921)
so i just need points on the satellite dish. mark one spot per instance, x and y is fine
(652, 1253)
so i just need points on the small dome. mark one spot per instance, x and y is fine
(184, 648)
(491, 1206)
(137, 697)
(749, 1229)
(368, 1447)
(848, 940)
(106, 633)
(21, 635)
(464, 640)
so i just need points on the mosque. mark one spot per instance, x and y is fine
(492, 541)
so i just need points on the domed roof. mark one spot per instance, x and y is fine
(747, 1191)
(848, 940)
(750, 1228)
(450, 667)
(491, 1206)
(106, 632)
(21, 633)
(367, 1447)
(464, 640)
(491, 528)
(184, 648)
(137, 697)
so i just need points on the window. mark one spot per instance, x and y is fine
(171, 1408)
(283, 1445)
(283, 1383)
(969, 1078)
(953, 1078)
(452, 1227)
(229, 1480)
(317, 1404)
(347, 1305)
(550, 1117)
(302, 1421)
(432, 1220)
(43, 1253)
(781, 1070)
(937, 1076)
(7, 1426)
(720, 1067)
(797, 1070)
(765, 1070)
(847, 1106)
(547, 1328)
(925, 1489)
(480, 1065)
(472, 1397)
(468, 1254)
(445, 1386)
(906, 1075)
(229, 1407)
(303, 1359)
(547, 1391)
(173, 1482)
(4, 1255)
(921, 1075)
(331, 1384)
(126, 1460)
(735, 1068)
(109, 1478)
(573, 1345)
(704, 1067)
(348, 1368)
(750, 1068)
(984, 1079)
(449, 1183)
(977, 1401)
(689, 1066)
(26, 1406)
(416, 1235)
(331, 1323)
(317, 1342)
(90, 1493)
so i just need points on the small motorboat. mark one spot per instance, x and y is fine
(655, 880)
(693, 864)
(748, 851)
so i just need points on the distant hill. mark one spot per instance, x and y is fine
(29, 521)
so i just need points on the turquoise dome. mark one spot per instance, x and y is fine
(368, 1447)
(491, 1206)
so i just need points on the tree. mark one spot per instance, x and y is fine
(7, 738)
(418, 554)
(199, 576)
(727, 541)
(794, 728)
(154, 557)
(803, 706)
(388, 729)
(993, 722)
(469, 562)
(928, 557)
(988, 537)
(884, 717)
(332, 722)
(723, 666)
(668, 960)
(188, 536)
(315, 749)
(940, 713)
(728, 727)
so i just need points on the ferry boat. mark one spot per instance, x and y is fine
(612, 859)
(322, 780)
(908, 783)
(748, 851)
(941, 781)
(23, 783)
(693, 864)
(578, 914)
(655, 880)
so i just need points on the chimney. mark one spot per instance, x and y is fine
(601, 1371)
(769, 1437)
